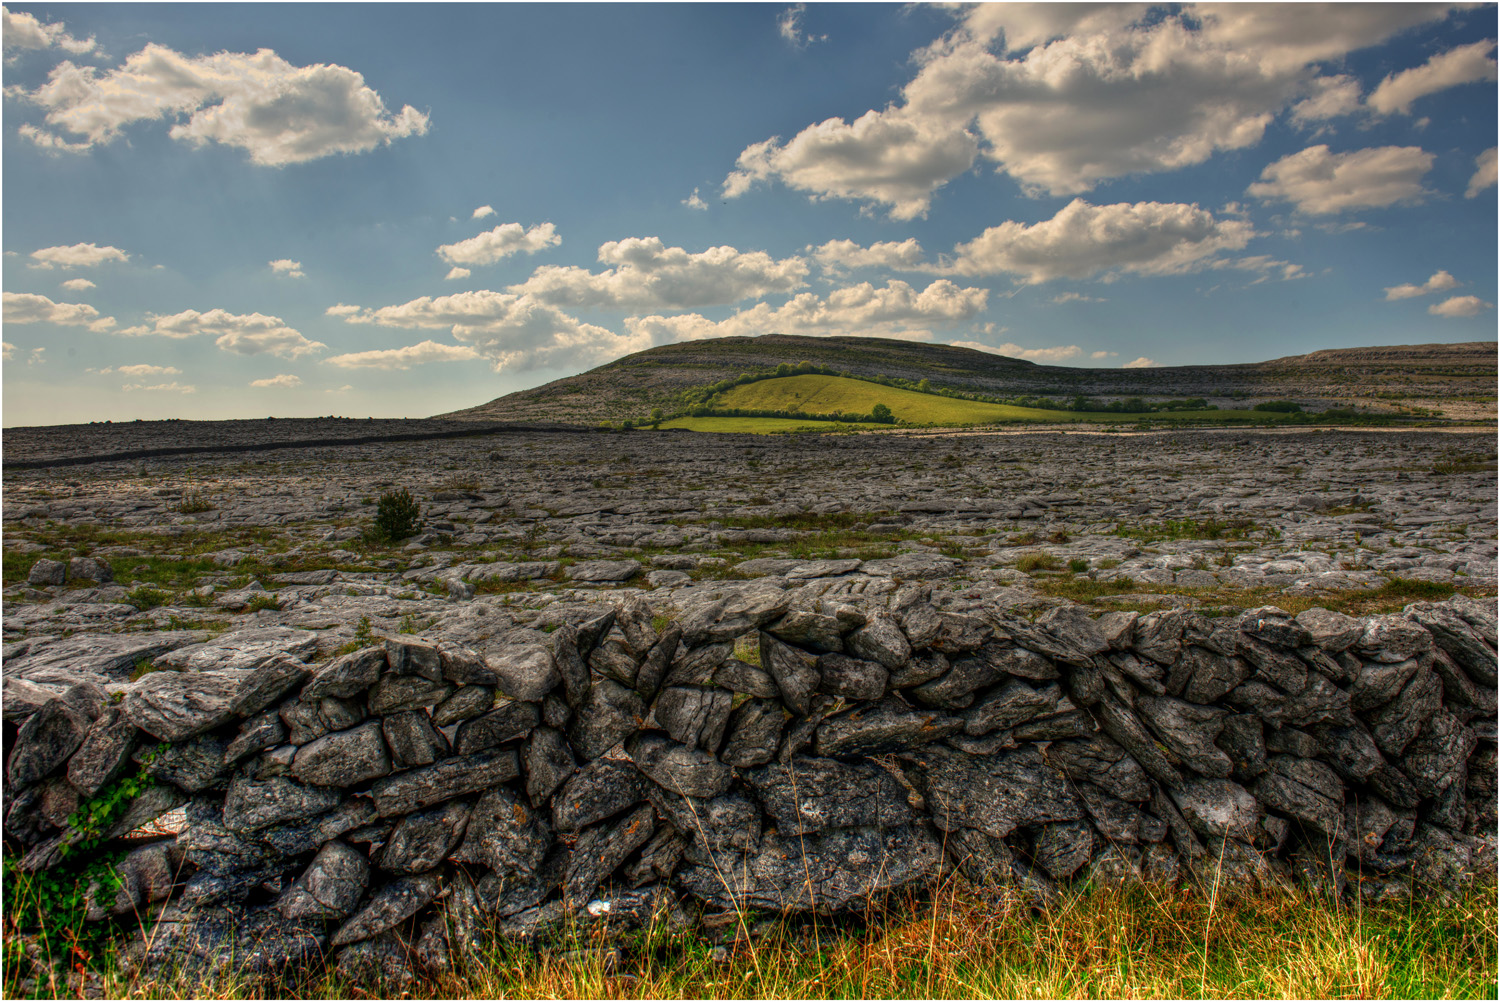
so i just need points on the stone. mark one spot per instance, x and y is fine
(242, 650)
(251, 805)
(467, 701)
(605, 718)
(412, 739)
(1435, 758)
(1392, 638)
(1126, 728)
(810, 794)
(1118, 820)
(994, 794)
(604, 571)
(192, 765)
(840, 675)
(526, 672)
(267, 683)
(346, 676)
(1456, 638)
(255, 947)
(382, 961)
(1062, 847)
(1218, 807)
(1210, 676)
(570, 665)
(726, 825)
(175, 706)
(658, 659)
(1075, 638)
(389, 906)
(603, 848)
(411, 656)
(1274, 626)
(146, 874)
(921, 668)
(613, 659)
(754, 733)
(46, 572)
(1006, 705)
(1158, 636)
(265, 730)
(1304, 789)
(886, 726)
(879, 640)
(394, 693)
(1100, 760)
(1380, 682)
(737, 676)
(689, 771)
(423, 839)
(696, 666)
(1117, 628)
(547, 761)
(45, 742)
(809, 629)
(1278, 667)
(599, 790)
(104, 752)
(510, 721)
(1395, 724)
(954, 690)
(344, 758)
(452, 777)
(794, 670)
(693, 715)
(506, 835)
(1330, 631)
(1189, 731)
(330, 888)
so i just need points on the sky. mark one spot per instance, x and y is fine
(228, 211)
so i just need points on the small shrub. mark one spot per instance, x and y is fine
(264, 600)
(397, 515)
(144, 598)
(1035, 560)
(1060, 537)
(1078, 566)
(194, 502)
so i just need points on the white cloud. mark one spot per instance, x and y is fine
(841, 255)
(1461, 65)
(457, 273)
(7, 350)
(895, 310)
(404, 358)
(1265, 266)
(36, 357)
(278, 113)
(1322, 183)
(510, 331)
(283, 381)
(28, 308)
(1440, 281)
(1459, 306)
(1146, 238)
(342, 389)
(789, 24)
(648, 274)
(1077, 297)
(1104, 354)
(172, 387)
(1099, 92)
(500, 242)
(243, 334)
(287, 267)
(1331, 97)
(482, 211)
(1141, 363)
(694, 201)
(76, 284)
(1484, 173)
(139, 371)
(23, 31)
(76, 256)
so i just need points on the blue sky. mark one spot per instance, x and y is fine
(221, 210)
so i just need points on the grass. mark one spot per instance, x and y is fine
(955, 943)
(761, 426)
(1192, 528)
(1389, 597)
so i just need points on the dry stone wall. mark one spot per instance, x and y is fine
(380, 808)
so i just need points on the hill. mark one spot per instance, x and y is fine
(1457, 378)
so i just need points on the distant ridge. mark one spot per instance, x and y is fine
(631, 386)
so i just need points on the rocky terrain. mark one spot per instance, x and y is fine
(1458, 379)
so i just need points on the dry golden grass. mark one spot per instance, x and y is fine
(954, 943)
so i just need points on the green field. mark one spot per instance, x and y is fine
(818, 394)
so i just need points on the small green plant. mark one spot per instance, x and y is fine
(1078, 566)
(144, 598)
(143, 667)
(409, 623)
(264, 600)
(397, 516)
(363, 637)
(194, 502)
(1036, 560)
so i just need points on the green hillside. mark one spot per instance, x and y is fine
(836, 394)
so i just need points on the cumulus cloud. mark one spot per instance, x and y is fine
(287, 267)
(1320, 182)
(499, 243)
(457, 273)
(404, 358)
(284, 381)
(172, 387)
(482, 211)
(645, 274)
(846, 255)
(694, 201)
(76, 284)
(1440, 281)
(1331, 97)
(21, 31)
(1484, 173)
(1461, 65)
(510, 331)
(76, 256)
(1104, 354)
(1141, 363)
(29, 308)
(1459, 306)
(278, 113)
(1265, 266)
(1076, 94)
(1058, 353)
(895, 310)
(1077, 297)
(37, 357)
(7, 350)
(1146, 238)
(789, 24)
(141, 371)
(242, 334)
